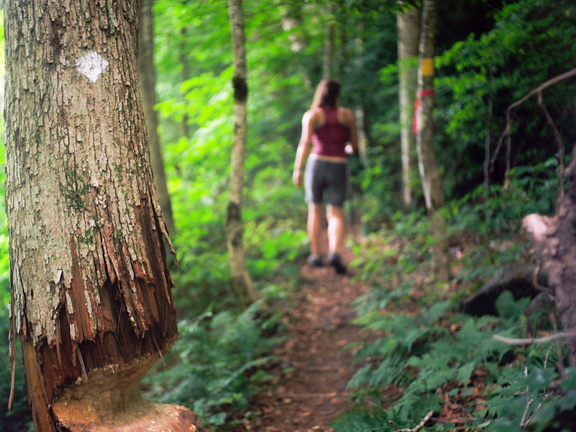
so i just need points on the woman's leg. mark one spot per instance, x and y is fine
(336, 238)
(336, 225)
(314, 227)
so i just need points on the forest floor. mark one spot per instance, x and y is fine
(313, 393)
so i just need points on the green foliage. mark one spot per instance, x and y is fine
(363, 420)
(221, 359)
(427, 356)
(532, 189)
(531, 398)
(482, 75)
(274, 249)
(423, 354)
(18, 419)
(437, 352)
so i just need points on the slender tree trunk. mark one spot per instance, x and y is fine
(185, 62)
(91, 290)
(356, 197)
(291, 21)
(328, 64)
(292, 24)
(234, 228)
(408, 37)
(148, 88)
(429, 172)
(554, 239)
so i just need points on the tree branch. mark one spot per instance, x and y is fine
(530, 341)
(519, 102)
(420, 425)
(558, 140)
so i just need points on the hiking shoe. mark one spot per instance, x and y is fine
(335, 260)
(315, 261)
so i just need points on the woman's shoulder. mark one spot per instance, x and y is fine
(346, 114)
(313, 113)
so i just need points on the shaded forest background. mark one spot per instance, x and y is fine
(490, 54)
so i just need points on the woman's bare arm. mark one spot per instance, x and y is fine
(303, 146)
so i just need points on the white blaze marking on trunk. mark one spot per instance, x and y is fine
(92, 65)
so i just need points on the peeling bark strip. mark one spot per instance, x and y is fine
(90, 284)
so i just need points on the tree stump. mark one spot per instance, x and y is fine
(554, 240)
(110, 401)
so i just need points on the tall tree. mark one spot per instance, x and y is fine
(91, 290)
(241, 279)
(408, 22)
(329, 30)
(185, 74)
(429, 172)
(147, 76)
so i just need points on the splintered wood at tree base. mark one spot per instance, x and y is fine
(142, 417)
(109, 400)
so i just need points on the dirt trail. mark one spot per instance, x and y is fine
(314, 393)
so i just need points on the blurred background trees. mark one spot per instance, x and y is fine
(489, 53)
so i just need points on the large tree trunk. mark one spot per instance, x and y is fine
(408, 23)
(429, 172)
(91, 290)
(148, 89)
(554, 239)
(241, 279)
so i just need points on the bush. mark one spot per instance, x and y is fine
(220, 360)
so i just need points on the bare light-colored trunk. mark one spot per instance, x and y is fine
(91, 290)
(329, 58)
(241, 279)
(148, 89)
(292, 23)
(429, 172)
(185, 76)
(408, 23)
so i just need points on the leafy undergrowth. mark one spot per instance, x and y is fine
(220, 361)
(430, 366)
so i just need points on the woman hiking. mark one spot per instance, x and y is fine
(330, 132)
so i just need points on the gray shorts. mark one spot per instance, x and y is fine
(324, 179)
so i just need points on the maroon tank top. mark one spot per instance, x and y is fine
(331, 138)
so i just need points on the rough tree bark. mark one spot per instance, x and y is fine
(408, 23)
(554, 240)
(241, 279)
(91, 291)
(429, 172)
(147, 76)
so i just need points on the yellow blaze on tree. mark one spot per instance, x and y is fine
(429, 171)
